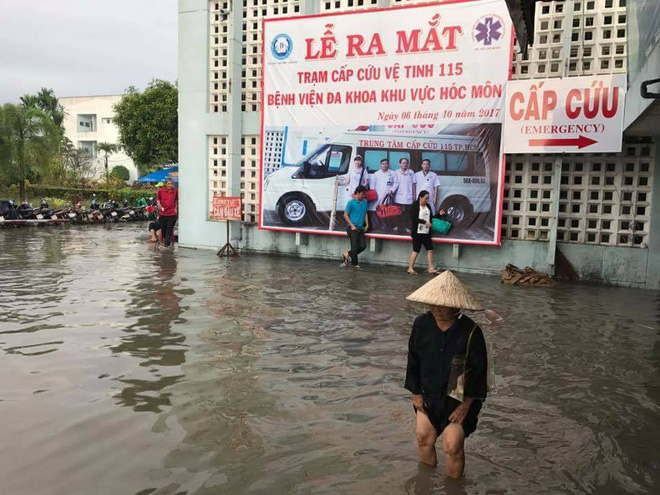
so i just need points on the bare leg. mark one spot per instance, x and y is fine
(411, 262)
(426, 437)
(453, 440)
(429, 259)
(153, 236)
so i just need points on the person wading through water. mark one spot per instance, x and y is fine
(447, 370)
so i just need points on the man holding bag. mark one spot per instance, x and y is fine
(447, 370)
(384, 183)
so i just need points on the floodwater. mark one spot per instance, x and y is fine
(131, 370)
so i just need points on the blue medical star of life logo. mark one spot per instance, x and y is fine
(489, 29)
(281, 46)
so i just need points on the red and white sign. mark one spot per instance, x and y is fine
(571, 115)
(226, 208)
(445, 62)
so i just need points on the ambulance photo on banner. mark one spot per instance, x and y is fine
(398, 100)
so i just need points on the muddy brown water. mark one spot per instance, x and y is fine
(131, 370)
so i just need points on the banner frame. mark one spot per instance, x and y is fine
(497, 242)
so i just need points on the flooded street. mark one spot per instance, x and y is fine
(132, 370)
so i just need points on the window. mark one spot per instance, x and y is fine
(372, 158)
(328, 161)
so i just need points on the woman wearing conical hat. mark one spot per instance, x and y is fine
(447, 364)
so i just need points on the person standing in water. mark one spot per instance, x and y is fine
(447, 370)
(168, 209)
(358, 223)
(420, 216)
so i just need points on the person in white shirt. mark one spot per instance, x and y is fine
(355, 177)
(420, 218)
(384, 183)
(405, 193)
(428, 181)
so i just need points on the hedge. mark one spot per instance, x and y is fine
(72, 194)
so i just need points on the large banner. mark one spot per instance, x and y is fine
(400, 100)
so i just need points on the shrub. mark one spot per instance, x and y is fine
(121, 172)
(73, 194)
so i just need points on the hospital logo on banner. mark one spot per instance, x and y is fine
(281, 47)
(488, 31)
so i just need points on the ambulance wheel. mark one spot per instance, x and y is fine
(459, 211)
(296, 210)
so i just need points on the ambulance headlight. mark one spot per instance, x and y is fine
(266, 182)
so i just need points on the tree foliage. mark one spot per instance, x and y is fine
(79, 165)
(148, 125)
(46, 101)
(121, 172)
(29, 143)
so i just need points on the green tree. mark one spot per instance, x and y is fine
(148, 125)
(121, 172)
(46, 101)
(107, 148)
(29, 142)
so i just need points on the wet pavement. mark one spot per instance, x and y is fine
(128, 369)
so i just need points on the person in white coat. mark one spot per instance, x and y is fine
(384, 182)
(357, 176)
(405, 193)
(428, 181)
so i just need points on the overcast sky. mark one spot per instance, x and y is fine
(85, 47)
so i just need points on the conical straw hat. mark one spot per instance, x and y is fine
(446, 290)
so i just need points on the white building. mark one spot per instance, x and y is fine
(603, 202)
(89, 120)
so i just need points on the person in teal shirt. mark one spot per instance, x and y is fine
(356, 217)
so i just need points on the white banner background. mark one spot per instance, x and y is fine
(466, 84)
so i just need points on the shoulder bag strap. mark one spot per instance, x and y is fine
(362, 175)
(467, 349)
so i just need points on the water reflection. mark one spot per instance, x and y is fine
(155, 308)
(275, 375)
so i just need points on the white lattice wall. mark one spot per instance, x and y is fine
(273, 148)
(253, 12)
(603, 198)
(250, 177)
(218, 163)
(340, 5)
(598, 40)
(218, 52)
(218, 159)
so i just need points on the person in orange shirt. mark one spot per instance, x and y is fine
(167, 199)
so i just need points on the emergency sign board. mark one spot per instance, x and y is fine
(416, 91)
(226, 208)
(570, 115)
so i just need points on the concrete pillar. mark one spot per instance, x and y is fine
(653, 263)
(302, 239)
(193, 60)
(552, 242)
(309, 7)
(234, 115)
(456, 251)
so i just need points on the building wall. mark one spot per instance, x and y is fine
(106, 131)
(595, 209)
